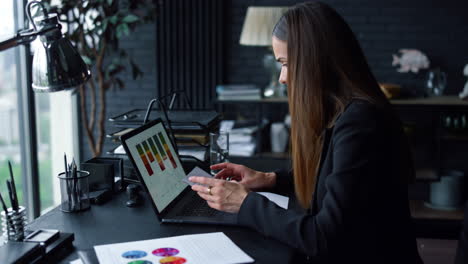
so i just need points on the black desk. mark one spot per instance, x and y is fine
(113, 222)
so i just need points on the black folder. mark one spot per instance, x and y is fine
(181, 120)
(21, 252)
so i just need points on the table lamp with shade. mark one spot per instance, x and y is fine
(56, 64)
(257, 31)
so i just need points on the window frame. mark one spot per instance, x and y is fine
(27, 120)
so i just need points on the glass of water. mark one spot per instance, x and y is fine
(219, 148)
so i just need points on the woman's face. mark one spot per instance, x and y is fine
(280, 48)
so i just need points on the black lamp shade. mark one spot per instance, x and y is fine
(57, 65)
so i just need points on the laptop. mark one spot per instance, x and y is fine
(161, 173)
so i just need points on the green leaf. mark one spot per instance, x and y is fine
(130, 19)
(119, 83)
(136, 72)
(87, 60)
(104, 25)
(122, 30)
(113, 19)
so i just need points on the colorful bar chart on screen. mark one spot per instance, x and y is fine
(166, 147)
(161, 150)
(148, 151)
(156, 154)
(144, 159)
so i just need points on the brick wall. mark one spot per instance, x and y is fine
(136, 94)
(438, 28)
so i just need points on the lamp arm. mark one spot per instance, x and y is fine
(25, 37)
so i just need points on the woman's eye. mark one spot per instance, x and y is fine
(284, 65)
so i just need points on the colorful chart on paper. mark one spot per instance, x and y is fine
(172, 260)
(134, 254)
(165, 252)
(208, 248)
(140, 262)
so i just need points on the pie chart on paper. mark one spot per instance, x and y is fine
(165, 252)
(172, 260)
(134, 254)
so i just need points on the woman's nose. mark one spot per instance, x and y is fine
(283, 76)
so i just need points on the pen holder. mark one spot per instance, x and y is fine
(13, 224)
(74, 192)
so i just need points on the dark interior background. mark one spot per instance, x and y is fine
(194, 45)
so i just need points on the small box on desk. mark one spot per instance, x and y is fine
(105, 173)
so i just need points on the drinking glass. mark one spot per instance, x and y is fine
(219, 148)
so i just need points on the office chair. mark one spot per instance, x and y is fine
(462, 248)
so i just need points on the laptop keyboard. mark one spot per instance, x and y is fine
(197, 207)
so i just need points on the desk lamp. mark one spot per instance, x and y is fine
(56, 65)
(257, 31)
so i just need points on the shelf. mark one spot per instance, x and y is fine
(274, 155)
(446, 100)
(420, 211)
(454, 136)
(257, 101)
(426, 175)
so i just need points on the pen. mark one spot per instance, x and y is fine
(13, 188)
(5, 208)
(4, 205)
(65, 160)
(75, 182)
(10, 193)
(69, 185)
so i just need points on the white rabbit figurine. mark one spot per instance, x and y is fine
(464, 94)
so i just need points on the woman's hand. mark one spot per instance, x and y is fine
(221, 195)
(249, 178)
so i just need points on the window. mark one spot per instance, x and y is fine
(9, 132)
(55, 121)
(56, 132)
(36, 129)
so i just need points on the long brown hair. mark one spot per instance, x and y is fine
(326, 69)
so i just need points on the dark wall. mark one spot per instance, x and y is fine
(438, 28)
(137, 93)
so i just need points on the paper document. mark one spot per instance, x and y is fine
(196, 172)
(76, 261)
(120, 150)
(209, 248)
(280, 200)
(198, 153)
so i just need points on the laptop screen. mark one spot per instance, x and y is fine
(158, 164)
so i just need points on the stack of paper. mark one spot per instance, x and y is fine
(241, 139)
(238, 92)
(210, 248)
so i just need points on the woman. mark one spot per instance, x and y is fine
(350, 158)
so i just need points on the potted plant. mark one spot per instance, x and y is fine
(95, 28)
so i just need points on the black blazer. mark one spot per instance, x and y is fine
(360, 210)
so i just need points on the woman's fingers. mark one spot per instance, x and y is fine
(223, 174)
(206, 197)
(200, 189)
(224, 165)
(204, 180)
